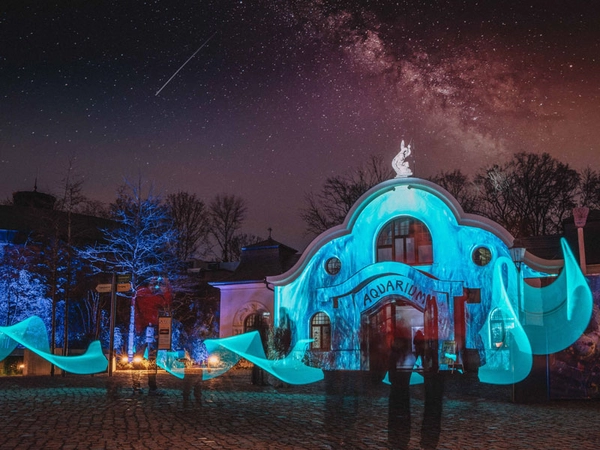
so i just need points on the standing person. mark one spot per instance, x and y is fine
(399, 402)
(262, 326)
(419, 344)
(151, 300)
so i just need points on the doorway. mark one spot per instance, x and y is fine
(391, 319)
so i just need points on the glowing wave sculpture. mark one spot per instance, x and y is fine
(415, 377)
(290, 369)
(31, 333)
(171, 362)
(558, 314)
(508, 356)
(555, 315)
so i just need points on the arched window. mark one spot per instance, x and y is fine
(256, 321)
(320, 331)
(499, 328)
(250, 321)
(406, 240)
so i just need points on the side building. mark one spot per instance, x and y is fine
(246, 297)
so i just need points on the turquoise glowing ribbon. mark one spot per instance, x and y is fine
(229, 350)
(415, 377)
(557, 315)
(170, 362)
(511, 362)
(32, 334)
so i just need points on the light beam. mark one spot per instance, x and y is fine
(183, 65)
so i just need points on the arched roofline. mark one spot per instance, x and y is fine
(462, 218)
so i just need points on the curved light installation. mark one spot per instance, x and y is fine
(547, 320)
(415, 377)
(31, 333)
(558, 314)
(508, 355)
(229, 350)
(170, 362)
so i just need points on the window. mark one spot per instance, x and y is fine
(333, 266)
(482, 256)
(499, 328)
(405, 240)
(320, 331)
(256, 321)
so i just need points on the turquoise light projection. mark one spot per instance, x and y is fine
(556, 316)
(229, 350)
(32, 334)
(366, 282)
(169, 361)
(507, 348)
(415, 377)
(524, 321)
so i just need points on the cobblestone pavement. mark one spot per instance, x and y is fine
(98, 412)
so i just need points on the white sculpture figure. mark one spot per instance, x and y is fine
(400, 164)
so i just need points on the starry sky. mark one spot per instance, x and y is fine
(282, 94)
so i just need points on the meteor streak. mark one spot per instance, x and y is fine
(188, 60)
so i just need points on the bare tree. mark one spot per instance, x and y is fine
(461, 188)
(331, 205)
(74, 201)
(191, 221)
(227, 213)
(240, 241)
(530, 195)
(589, 189)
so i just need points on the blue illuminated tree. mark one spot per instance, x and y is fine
(22, 290)
(141, 244)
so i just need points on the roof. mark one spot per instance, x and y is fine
(261, 260)
(26, 220)
(545, 247)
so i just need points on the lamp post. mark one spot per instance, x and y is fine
(517, 254)
(580, 215)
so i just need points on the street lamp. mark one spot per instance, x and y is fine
(580, 218)
(517, 254)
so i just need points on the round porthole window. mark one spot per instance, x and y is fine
(333, 266)
(482, 256)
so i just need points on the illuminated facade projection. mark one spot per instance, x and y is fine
(408, 260)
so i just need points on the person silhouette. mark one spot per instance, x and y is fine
(399, 401)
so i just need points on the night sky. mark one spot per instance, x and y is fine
(287, 93)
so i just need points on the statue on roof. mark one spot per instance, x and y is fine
(400, 164)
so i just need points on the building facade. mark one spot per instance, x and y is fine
(246, 298)
(406, 260)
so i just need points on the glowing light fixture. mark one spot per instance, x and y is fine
(517, 254)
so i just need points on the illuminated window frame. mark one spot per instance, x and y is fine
(406, 240)
(320, 331)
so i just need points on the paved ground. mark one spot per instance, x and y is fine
(98, 412)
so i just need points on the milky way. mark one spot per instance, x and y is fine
(287, 93)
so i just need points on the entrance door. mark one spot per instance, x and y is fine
(389, 320)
